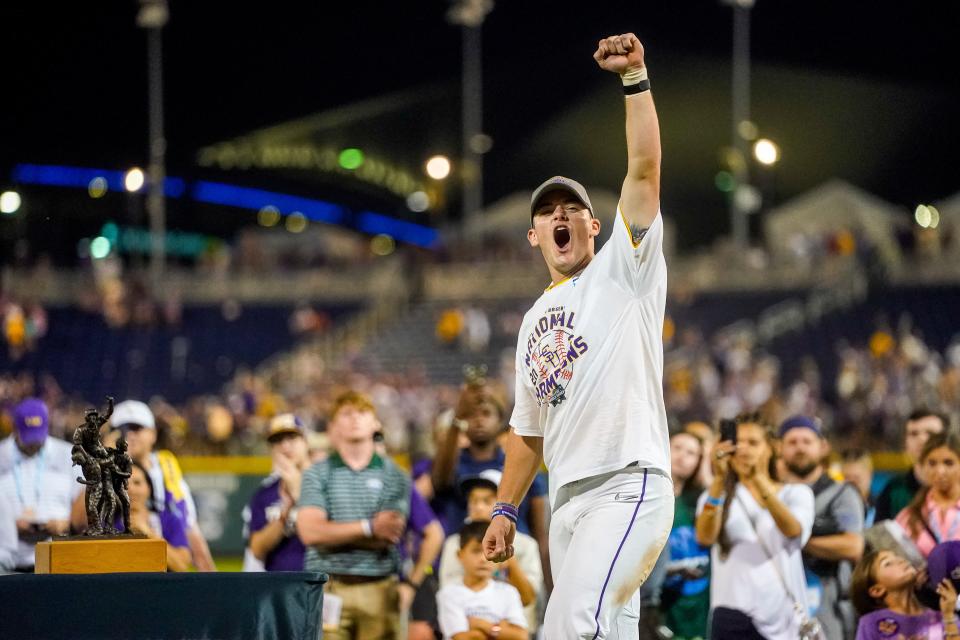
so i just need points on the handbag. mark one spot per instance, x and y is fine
(810, 628)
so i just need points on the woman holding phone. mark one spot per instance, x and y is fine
(756, 527)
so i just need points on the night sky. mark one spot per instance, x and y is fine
(74, 77)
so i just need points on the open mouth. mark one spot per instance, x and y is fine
(561, 237)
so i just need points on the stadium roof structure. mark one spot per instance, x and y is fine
(369, 152)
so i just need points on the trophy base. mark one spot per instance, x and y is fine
(120, 554)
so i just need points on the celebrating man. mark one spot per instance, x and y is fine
(589, 397)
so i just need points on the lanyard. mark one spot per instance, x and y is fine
(937, 530)
(37, 477)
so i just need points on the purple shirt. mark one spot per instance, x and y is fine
(171, 522)
(265, 507)
(887, 625)
(173, 529)
(421, 515)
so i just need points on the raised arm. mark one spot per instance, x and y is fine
(640, 196)
(444, 472)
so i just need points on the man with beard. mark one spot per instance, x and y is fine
(837, 538)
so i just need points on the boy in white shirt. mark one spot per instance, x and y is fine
(523, 570)
(479, 608)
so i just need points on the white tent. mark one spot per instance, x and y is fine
(836, 206)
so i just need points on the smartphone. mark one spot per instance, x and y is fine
(728, 431)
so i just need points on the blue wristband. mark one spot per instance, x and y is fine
(715, 502)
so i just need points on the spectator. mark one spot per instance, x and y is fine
(9, 539)
(836, 540)
(478, 607)
(523, 570)
(481, 415)
(449, 326)
(933, 516)
(33, 410)
(707, 438)
(135, 421)
(899, 491)
(685, 597)
(757, 528)
(161, 525)
(884, 593)
(419, 586)
(856, 465)
(353, 510)
(38, 492)
(273, 538)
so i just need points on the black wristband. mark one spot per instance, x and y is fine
(640, 87)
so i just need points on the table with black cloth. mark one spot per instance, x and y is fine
(189, 606)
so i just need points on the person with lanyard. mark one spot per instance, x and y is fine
(38, 491)
(934, 514)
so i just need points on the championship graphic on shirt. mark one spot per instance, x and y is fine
(887, 627)
(552, 347)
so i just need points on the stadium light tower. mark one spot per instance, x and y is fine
(470, 15)
(152, 17)
(741, 114)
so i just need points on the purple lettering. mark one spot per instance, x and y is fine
(581, 345)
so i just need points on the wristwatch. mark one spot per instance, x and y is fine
(290, 524)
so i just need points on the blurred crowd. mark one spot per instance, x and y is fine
(773, 519)
(385, 481)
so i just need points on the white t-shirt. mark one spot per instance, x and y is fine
(746, 580)
(590, 363)
(527, 552)
(495, 602)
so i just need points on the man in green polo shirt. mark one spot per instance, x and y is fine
(352, 513)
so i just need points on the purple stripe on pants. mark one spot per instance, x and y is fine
(596, 617)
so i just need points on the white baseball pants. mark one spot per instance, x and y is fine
(606, 534)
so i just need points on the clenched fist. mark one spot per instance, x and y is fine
(619, 54)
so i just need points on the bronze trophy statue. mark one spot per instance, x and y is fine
(105, 473)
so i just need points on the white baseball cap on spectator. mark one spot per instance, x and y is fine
(132, 412)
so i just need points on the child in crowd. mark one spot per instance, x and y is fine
(479, 607)
(523, 570)
(883, 592)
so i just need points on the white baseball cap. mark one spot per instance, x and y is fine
(487, 478)
(132, 412)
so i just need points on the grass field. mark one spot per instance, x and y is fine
(229, 563)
